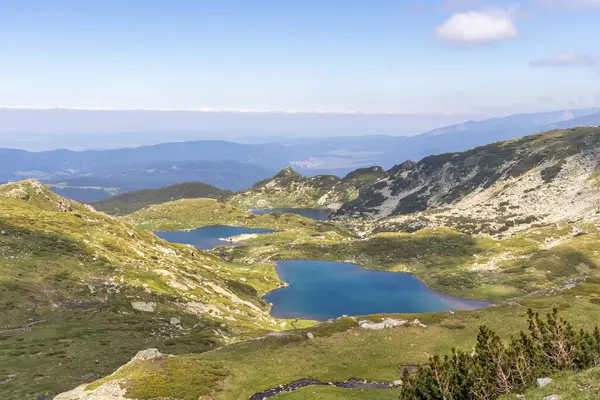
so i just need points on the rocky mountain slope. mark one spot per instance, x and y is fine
(538, 179)
(130, 202)
(81, 292)
(289, 189)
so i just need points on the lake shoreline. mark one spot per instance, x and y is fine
(384, 292)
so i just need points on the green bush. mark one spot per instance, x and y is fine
(494, 368)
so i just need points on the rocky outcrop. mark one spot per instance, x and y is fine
(289, 189)
(110, 390)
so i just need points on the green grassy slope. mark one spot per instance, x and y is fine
(535, 268)
(81, 292)
(342, 350)
(568, 385)
(128, 203)
(195, 213)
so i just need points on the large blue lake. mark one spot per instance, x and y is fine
(320, 290)
(314, 213)
(208, 237)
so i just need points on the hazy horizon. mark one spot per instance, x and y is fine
(81, 129)
(44, 129)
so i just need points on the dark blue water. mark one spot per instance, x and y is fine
(320, 290)
(314, 213)
(208, 237)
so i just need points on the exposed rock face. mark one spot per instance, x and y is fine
(148, 354)
(386, 323)
(541, 382)
(143, 306)
(288, 189)
(540, 178)
(108, 391)
(111, 390)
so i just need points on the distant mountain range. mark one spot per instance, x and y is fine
(102, 183)
(97, 174)
(93, 175)
(80, 129)
(586, 120)
(464, 136)
(340, 155)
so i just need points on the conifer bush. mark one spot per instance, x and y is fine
(494, 368)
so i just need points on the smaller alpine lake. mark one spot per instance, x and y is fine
(322, 290)
(209, 236)
(318, 214)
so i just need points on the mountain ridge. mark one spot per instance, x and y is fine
(540, 178)
(289, 189)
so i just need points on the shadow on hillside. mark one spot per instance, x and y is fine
(436, 250)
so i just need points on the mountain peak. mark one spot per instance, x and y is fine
(287, 172)
(39, 195)
(365, 174)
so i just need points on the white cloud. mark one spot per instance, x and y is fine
(546, 98)
(568, 59)
(478, 27)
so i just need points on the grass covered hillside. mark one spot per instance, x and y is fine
(567, 386)
(195, 213)
(289, 189)
(81, 292)
(340, 350)
(128, 203)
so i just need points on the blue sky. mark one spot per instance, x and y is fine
(448, 56)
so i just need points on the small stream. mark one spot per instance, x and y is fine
(295, 385)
